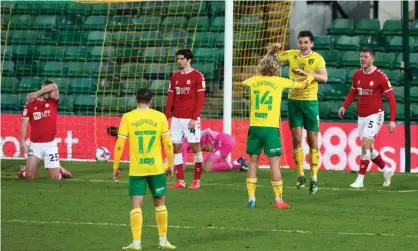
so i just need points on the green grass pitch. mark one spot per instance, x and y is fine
(91, 212)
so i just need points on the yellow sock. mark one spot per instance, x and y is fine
(278, 189)
(136, 223)
(298, 157)
(314, 160)
(161, 216)
(251, 186)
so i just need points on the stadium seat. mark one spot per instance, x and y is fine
(9, 84)
(385, 60)
(27, 67)
(54, 53)
(174, 23)
(83, 85)
(9, 102)
(130, 86)
(101, 53)
(396, 44)
(103, 9)
(95, 23)
(367, 27)
(155, 54)
(74, 22)
(150, 38)
(158, 71)
(331, 57)
(414, 112)
(192, 8)
(128, 8)
(28, 52)
(205, 55)
(129, 103)
(46, 37)
(55, 69)
(341, 26)
(110, 104)
(413, 28)
(66, 103)
(376, 42)
(22, 37)
(98, 38)
(399, 93)
(208, 70)
(175, 38)
(413, 60)
(79, 69)
(350, 112)
(159, 102)
(323, 42)
(392, 28)
(132, 70)
(80, 9)
(108, 87)
(8, 68)
(247, 39)
(414, 93)
(153, 8)
(400, 111)
(202, 39)
(127, 54)
(335, 91)
(145, 23)
(29, 84)
(336, 76)
(220, 39)
(126, 38)
(324, 110)
(71, 37)
(76, 53)
(200, 23)
(83, 104)
(63, 84)
(395, 77)
(53, 8)
(349, 72)
(217, 8)
(27, 8)
(348, 43)
(218, 24)
(7, 52)
(21, 22)
(5, 21)
(250, 23)
(414, 77)
(159, 86)
(350, 58)
(45, 22)
(121, 22)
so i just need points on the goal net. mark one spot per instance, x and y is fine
(101, 52)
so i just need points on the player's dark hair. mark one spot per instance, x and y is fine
(187, 53)
(369, 50)
(143, 96)
(47, 82)
(306, 34)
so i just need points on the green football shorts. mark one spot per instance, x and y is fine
(266, 138)
(303, 113)
(156, 183)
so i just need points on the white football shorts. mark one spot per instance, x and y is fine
(369, 127)
(47, 151)
(179, 128)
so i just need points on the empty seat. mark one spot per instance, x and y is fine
(200, 23)
(30, 84)
(399, 93)
(335, 91)
(76, 53)
(130, 86)
(341, 26)
(52, 8)
(80, 9)
(83, 85)
(395, 77)
(152, 8)
(121, 22)
(103, 9)
(25, 52)
(63, 84)
(111, 104)
(53, 53)
(74, 22)
(101, 53)
(396, 44)
(84, 103)
(331, 57)
(392, 28)
(324, 110)
(323, 42)
(208, 70)
(414, 77)
(144, 23)
(384, 60)
(336, 76)
(413, 28)
(66, 103)
(128, 8)
(375, 42)
(22, 37)
(250, 23)
(7, 52)
(21, 21)
(132, 70)
(27, 8)
(55, 69)
(159, 86)
(202, 39)
(155, 54)
(7, 68)
(46, 37)
(151, 38)
(158, 71)
(126, 38)
(367, 26)
(175, 38)
(205, 55)
(413, 60)
(95, 23)
(9, 84)
(9, 102)
(350, 58)
(71, 37)
(45, 22)
(414, 93)
(27, 67)
(98, 38)
(348, 43)
(174, 23)
(186, 8)
(217, 8)
(218, 24)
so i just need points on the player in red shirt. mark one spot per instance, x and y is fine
(186, 95)
(40, 112)
(370, 83)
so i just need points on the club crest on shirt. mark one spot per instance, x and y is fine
(311, 61)
(188, 82)
(371, 83)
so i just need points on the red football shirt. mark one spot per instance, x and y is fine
(370, 88)
(42, 116)
(185, 87)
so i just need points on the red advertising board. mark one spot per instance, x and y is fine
(79, 136)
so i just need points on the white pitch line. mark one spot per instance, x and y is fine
(258, 186)
(212, 228)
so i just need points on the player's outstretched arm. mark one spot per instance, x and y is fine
(117, 155)
(302, 84)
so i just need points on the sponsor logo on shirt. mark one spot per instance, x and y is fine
(40, 115)
(182, 90)
(365, 92)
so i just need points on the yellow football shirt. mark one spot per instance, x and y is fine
(266, 97)
(144, 128)
(311, 63)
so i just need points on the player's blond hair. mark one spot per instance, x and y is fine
(269, 66)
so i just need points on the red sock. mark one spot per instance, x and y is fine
(197, 170)
(179, 171)
(379, 162)
(363, 166)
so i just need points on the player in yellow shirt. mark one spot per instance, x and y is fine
(146, 129)
(266, 95)
(303, 104)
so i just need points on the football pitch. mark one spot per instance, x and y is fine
(91, 212)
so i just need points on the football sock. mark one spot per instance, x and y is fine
(377, 159)
(363, 166)
(161, 217)
(178, 166)
(314, 160)
(251, 186)
(198, 158)
(136, 223)
(221, 166)
(278, 189)
(298, 157)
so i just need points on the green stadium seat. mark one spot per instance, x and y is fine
(103, 9)
(202, 39)
(348, 43)
(192, 8)
(121, 22)
(217, 8)
(205, 55)
(208, 70)
(9, 102)
(84, 104)
(153, 8)
(101, 53)
(150, 38)
(399, 93)
(98, 38)
(159, 102)
(367, 27)
(71, 37)
(80, 9)
(29, 84)
(130, 86)
(413, 60)
(175, 38)
(145, 23)
(21, 101)
(220, 39)
(126, 38)
(7, 52)
(349, 72)
(27, 68)
(218, 24)
(323, 42)
(54, 69)
(70, 22)
(413, 28)
(76, 53)
(7, 68)
(45, 22)
(108, 87)
(250, 23)
(46, 37)
(331, 57)
(248, 39)
(159, 86)
(350, 58)
(21, 22)
(22, 37)
(376, 42)
(335, 91)
(336, 76)
(127, 54)
(132, 70)
(83, 85)
(129, 103)
(414, 112)
(400, 112)
(63, 84)
(395, 77)
(111, 104)
(200, 23)
(95, 23)
(27, 8)
(392, 28)
(414, 93)
(65, 103)
(324, 110)
(53, 53)
(385, 60)
(25, 52)
(155, 54)
(9, 84)
(158, 71)
(53, 8)
(174, 23)
(414, 77)
(5, 20)
(128, 8)
(342, 26)
(396, 44)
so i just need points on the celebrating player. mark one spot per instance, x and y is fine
(303, 104)
(370, 83)
(219, 145)
(186, 95)
(41, 112)
(266, 94)
(145, 128)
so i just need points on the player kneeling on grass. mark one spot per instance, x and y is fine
(219, 145)
(41, 112)
(145, 129)
(266, 95)
(370, 83)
